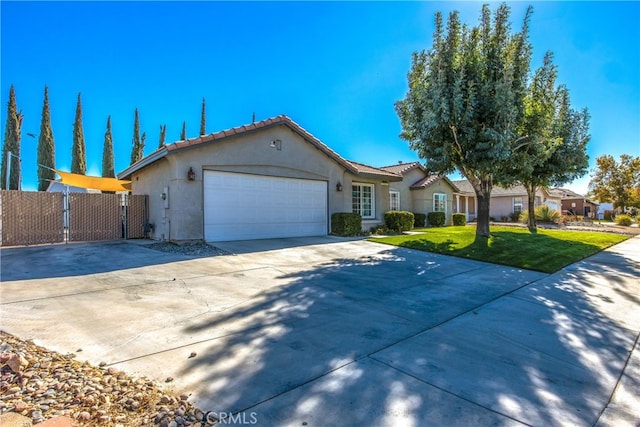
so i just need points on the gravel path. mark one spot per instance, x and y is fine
(40, 384)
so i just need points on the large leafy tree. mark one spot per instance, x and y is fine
(12, 136)
(465, 99)
(137, 148)
(78, 156)
(46, 147)
(108, 163)
(203, 118)
(554, 150)
(616, 182)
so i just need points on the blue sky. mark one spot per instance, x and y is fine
(336, 68)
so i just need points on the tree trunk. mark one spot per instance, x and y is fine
(482, 223)
(531, 196)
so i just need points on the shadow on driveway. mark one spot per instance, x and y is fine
(334, 349)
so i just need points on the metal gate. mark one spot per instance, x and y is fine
(30, 218)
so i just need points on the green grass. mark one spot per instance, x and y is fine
(547, 250)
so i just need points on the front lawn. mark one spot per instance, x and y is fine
(547, 251)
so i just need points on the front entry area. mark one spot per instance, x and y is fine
(240, 206)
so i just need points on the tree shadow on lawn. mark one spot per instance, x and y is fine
(538, 251)
(317, 352)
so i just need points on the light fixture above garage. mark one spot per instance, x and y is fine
(339, 186)
(191, 175)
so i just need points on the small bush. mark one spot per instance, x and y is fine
(346, 224)
(491, 218)
(633, 212)
(419, 220)
(545, 214)
(459, 219)
(515, 216)
(523, 217)
(436, 219)
(399, 220)
(609, 215)
(380, 230)
(624, 220)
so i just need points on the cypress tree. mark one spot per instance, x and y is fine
(78, 156)
(163, 136)
(46, 147)
(203, 119)
(12, 144)
(137, 147)
(108, 168)
(183, 134)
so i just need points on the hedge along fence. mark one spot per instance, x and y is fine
(436, 219)
(399, 220)
(346, 224)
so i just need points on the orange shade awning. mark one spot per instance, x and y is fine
(93, 182)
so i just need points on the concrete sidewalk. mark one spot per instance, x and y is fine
(333, 332)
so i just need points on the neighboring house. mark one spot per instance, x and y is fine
(577, 204)
(58, 187)
(420, 191)
(268, 179)
(505, 202)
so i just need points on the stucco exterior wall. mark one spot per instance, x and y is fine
(403, 187)
(423, 199)
(180, 216)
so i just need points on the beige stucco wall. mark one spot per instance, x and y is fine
(423, 199)
(403, 187)
(181, 216)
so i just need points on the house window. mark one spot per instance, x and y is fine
(517, 204)
(362, 200)
(439, 202)
(394, 200)
(573, 204)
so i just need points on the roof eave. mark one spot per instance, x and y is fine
(151, 158)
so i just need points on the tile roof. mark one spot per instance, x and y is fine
(356, 168)
(402, 168)
(431, 179)
(515, 190)
(363, 169)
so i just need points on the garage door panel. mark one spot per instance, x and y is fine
(243, 206)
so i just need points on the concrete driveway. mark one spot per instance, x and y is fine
(327, 331)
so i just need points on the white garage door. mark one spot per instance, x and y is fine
(243, 207)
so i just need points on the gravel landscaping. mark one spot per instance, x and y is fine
(199, 249)
(40, 384)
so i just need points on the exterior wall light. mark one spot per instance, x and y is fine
(338, 186)
(191, 175)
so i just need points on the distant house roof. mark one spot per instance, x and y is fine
(514, 191)
(565, 193)
(281, 120)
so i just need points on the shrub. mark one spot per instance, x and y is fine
(545, 214)
(515, 216)
(436, 219)
(633, 211)
(523, 217)
(419, 220)
(624, 220)
(459, 219)
(609, 215)
(399, 220)
(346, 224)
